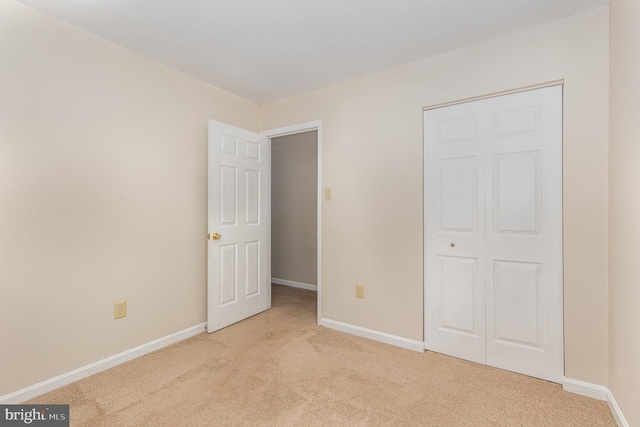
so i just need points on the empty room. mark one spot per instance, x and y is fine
(319, 213)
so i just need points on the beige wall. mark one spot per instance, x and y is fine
(103, 196)
(624, 208)
(294, 184)
(372, 158)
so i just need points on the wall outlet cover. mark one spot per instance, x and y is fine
(120, 310)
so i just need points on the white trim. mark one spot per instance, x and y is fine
(269, 226)
(495, 94)
(294, 284)
(374, 335)
(292, 130)
(99, 366)
(319, 238)
(597, 392)
(585, 389)
(615, 410)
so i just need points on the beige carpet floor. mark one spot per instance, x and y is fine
(280, 369)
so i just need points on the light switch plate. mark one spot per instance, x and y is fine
(327, 193)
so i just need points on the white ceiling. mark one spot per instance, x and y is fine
(264, 50)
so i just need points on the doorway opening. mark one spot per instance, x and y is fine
(296, 182)
(294, 201)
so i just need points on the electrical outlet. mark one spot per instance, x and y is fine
(120, 310)
(359, 291)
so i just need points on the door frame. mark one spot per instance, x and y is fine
(315, 125)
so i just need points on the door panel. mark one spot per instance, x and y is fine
(458, 288)
(517, 318)
(516, 188)
(524, 233)
(227, 271)
(238, 276)
(454, 233)
(252, 269)
(515, 122)
(493, 232)
(228, 195)
(252, 200)
(458, 194)
(459, 129)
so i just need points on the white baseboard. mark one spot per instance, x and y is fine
(101, 365)
(597, 392)
(294, 284)
(615, 410)
(585, 389)
(374, 335)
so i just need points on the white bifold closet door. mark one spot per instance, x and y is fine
(493, 232)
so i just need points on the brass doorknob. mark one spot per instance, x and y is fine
(216, 236)
(453, 245)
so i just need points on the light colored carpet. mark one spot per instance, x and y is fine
(280, 369)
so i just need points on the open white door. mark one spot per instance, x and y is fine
(238, 248)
